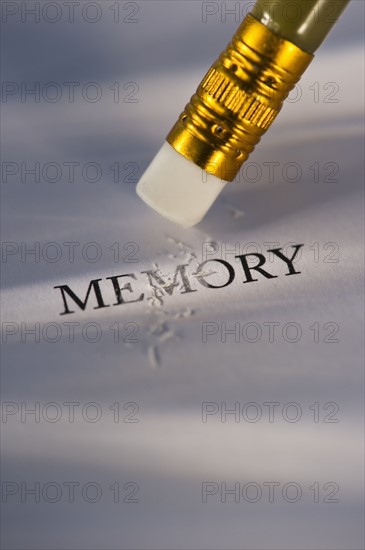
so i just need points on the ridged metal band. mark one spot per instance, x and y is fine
(238, 99)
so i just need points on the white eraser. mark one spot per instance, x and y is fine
(177, 188)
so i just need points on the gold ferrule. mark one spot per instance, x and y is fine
(238, 99)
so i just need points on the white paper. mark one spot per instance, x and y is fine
(169, 372)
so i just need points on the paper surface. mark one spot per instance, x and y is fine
(151, 393)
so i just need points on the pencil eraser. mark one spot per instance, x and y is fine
(177, 188)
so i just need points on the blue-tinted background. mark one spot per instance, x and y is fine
(70, 163)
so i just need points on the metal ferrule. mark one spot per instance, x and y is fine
(238, 99)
